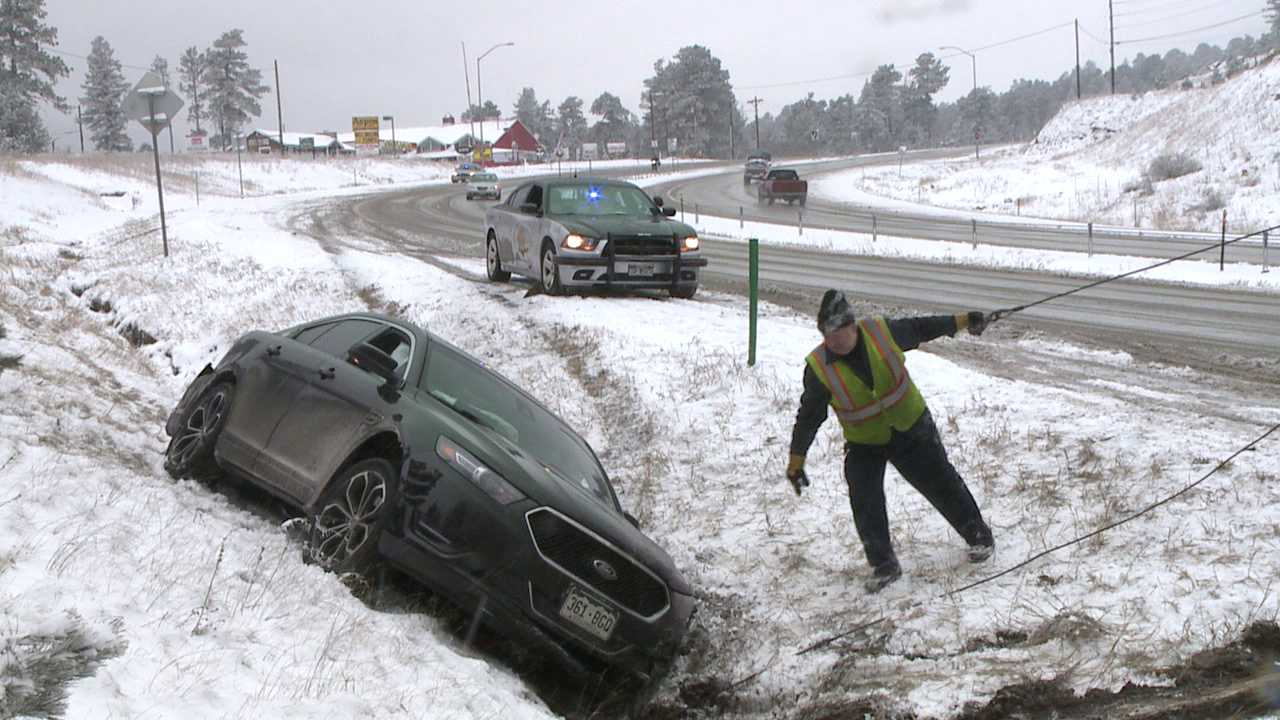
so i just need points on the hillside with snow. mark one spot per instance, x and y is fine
(125, 594)
(1093, 162)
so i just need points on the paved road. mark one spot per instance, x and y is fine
(425, 222)
(725, 196)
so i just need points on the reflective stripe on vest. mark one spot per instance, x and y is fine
(859, 420)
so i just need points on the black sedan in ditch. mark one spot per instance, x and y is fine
(401, 448)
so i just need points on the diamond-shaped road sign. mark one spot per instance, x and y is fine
(151, 103)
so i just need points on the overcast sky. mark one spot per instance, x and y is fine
(404, 57)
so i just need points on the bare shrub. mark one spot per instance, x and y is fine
(1210, 201)
(1168, 166)
(1142, 186)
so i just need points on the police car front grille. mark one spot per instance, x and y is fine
(640, 245)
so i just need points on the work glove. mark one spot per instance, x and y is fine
(977, 322)
(796, 474)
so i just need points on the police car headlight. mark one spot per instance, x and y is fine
(578, 242)
(690, 244)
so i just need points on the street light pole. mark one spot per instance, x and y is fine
(395, 149)
(480, 95)
(977, 141)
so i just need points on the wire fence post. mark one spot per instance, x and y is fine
(1222, 249)
(874, 229)
(197, 188)
(682, 208)
(1135, 212)
(800, 220)
(753, 282)
(697, 214)
(1090, 239)
(975, 233)
(1264, 251)
(1019, 202)
(740, 220)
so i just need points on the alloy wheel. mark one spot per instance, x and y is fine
(203, 420)
(346, 523)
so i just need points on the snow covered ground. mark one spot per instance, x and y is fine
(1087, 163)
(169, 600)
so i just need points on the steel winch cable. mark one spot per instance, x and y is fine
(1005, 312)
(1074, 541)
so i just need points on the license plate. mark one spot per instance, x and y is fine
(579, 609)
(645, 269)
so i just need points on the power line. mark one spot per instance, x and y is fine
(1091, 36)
(1200, 9)
(850, 76)
(1193, 30)
(1147, 11)
(86, 58)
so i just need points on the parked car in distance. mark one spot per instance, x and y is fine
(400, 448)
(464, 172)
(582, 233)
(484, 185)
(783, 184)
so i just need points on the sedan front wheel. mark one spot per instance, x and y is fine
(493, 261)
(550, 272)
(351, 516)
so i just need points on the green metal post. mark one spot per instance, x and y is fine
(753, 273)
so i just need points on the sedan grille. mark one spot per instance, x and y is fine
(576, 552)
(634, 245)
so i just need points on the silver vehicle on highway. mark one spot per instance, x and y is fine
(484, 185)
(591, 233)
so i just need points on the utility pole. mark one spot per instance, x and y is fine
(1111, 12)
(731, 153)
(279, 110)
(466, 73)
(653, 123)
(1077, 58)
(755, 101)
(80, 123)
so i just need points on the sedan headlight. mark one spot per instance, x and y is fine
(579, 242)
(690, 244)
(493, 484)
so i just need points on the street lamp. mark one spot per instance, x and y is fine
(480, 95)
(977, 142)
(394, 148)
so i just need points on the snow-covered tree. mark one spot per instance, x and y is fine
(615, 122)
(536, 116)
(104, 89)
(233, 86)
(191, 69)
(693, 101)
(570, 123)
(28, 72)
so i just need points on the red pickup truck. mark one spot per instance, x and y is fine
(783, 184)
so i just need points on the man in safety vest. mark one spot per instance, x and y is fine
(859, 370)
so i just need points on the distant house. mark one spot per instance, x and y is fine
(516, 145)
(511, 141)
(268, 141)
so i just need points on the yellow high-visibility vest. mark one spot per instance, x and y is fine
(869, 414)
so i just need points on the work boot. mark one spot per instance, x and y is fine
(981, 552)
(882, 576)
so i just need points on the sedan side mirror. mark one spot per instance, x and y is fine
(371, 359)
(529, 208)
(657, 200)
(669, 212)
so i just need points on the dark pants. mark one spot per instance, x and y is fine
(920, 458)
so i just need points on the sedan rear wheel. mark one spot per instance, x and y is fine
(550, 271)
(493, 261)
(351, 516)
(190, 451)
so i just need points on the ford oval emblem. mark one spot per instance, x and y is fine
(604, 570)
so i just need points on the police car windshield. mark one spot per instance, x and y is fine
(587, 199)
(484, 177)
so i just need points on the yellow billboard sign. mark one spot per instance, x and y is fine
(365, 128)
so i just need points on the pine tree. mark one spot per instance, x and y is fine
(191, 69)
(104, 88)
(694, 101)
(535, 115)
(233, 86)
(28, 72)
(570, 122)
(1273, 17)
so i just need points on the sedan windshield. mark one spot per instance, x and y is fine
(587, 199)
(483, 398)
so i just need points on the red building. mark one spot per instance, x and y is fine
(517, 144)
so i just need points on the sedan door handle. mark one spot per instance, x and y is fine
(328, 373)
(274, 350)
